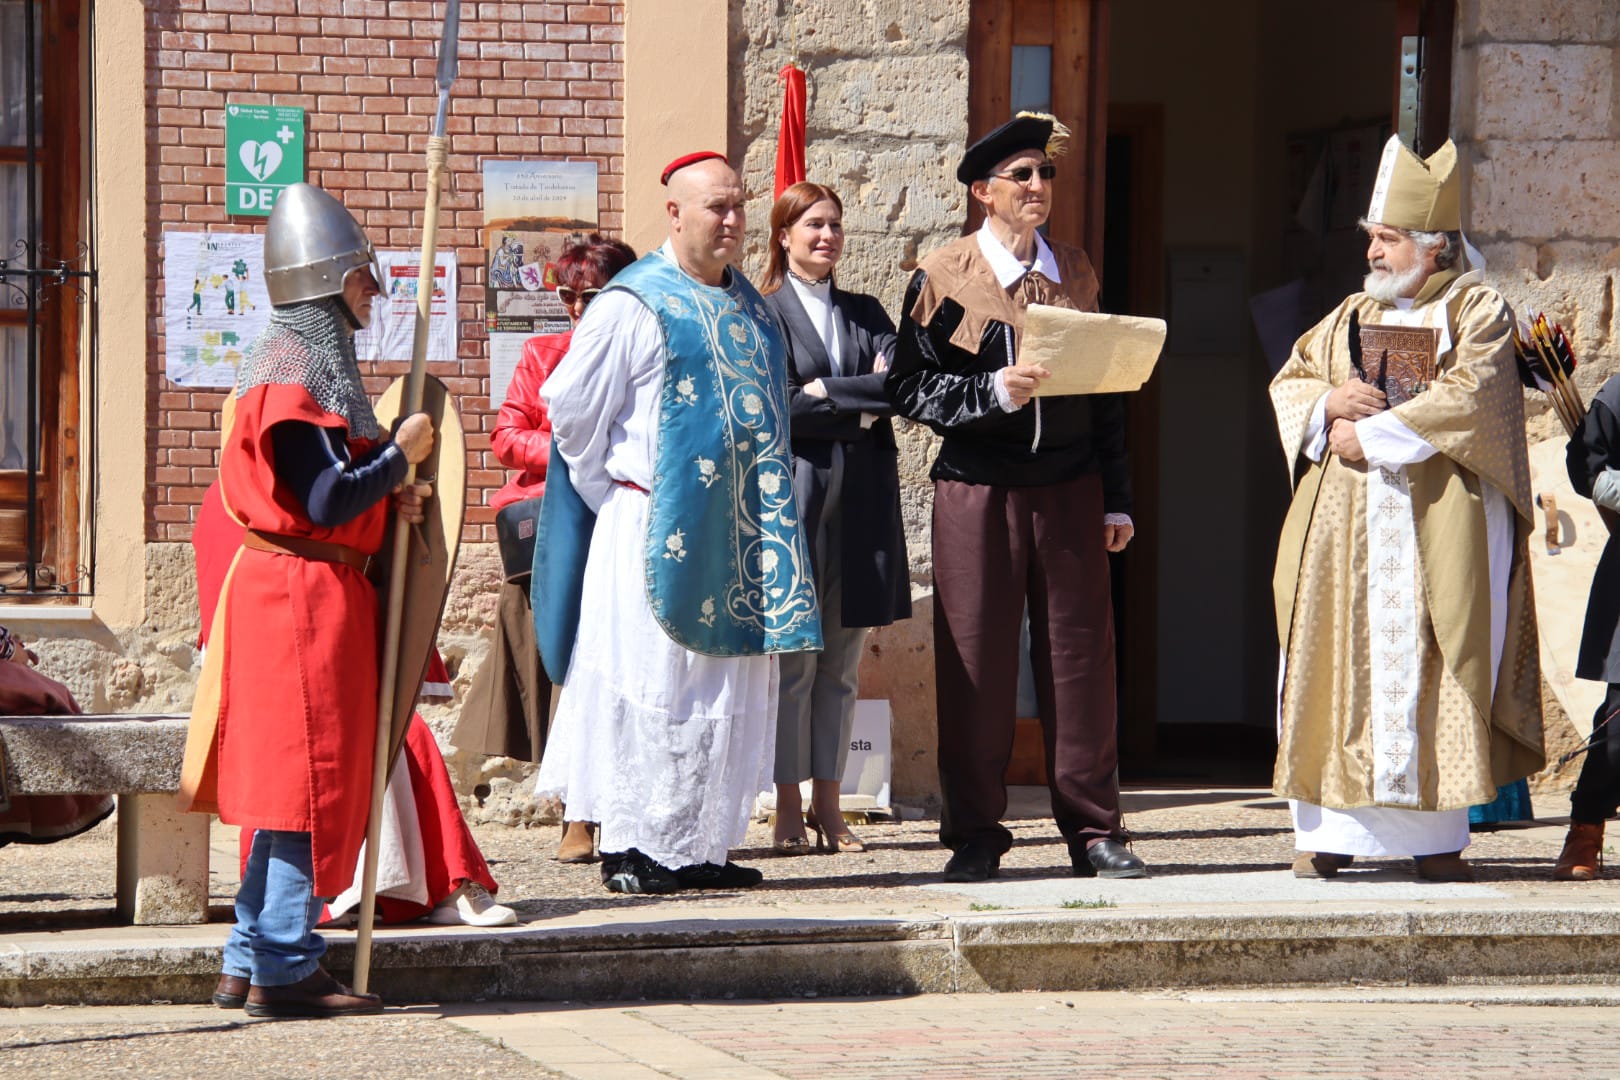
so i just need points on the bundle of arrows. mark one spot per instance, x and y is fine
(1547, 363)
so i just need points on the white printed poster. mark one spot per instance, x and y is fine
(393, 314)
(214, 304)
(505, 350)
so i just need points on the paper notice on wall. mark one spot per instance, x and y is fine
(214, 304)
(393, 314)
(505, 350)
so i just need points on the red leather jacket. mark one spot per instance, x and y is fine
(522, 436)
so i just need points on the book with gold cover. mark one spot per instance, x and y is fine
(1399, 360)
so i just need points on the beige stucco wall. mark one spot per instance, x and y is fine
(675, 101)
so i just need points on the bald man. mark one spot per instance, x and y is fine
(669, 415)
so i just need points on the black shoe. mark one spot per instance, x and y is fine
(973, 863)
(711, 876)
(1108, 859)
(635, 874)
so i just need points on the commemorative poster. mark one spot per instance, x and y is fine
(533, 210)
(393, 314)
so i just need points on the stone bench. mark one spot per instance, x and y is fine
(162, 853)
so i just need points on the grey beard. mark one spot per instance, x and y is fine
(309, 344)
(1388, 286)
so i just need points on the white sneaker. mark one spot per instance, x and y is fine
(471, 905)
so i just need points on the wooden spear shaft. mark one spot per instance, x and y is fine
(388, 677)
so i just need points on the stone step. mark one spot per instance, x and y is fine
(777, 957)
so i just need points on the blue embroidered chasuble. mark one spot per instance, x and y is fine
(727, 561)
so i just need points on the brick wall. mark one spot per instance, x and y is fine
(537, 80)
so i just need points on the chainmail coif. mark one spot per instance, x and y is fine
(308, 344)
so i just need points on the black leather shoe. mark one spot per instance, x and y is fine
(1108, 859)
(712, 876)
(973, 863)
(635, 874)
(230, 992)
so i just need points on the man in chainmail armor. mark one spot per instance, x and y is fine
(284, 717)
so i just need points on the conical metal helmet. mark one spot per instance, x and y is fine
(310, 245)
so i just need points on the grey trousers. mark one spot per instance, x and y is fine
(817, 704)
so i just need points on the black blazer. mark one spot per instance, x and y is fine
(877, 577)
(1595, 447)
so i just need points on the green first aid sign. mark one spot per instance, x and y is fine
(264, 152)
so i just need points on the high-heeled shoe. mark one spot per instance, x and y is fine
(830, 842)
(790, 845)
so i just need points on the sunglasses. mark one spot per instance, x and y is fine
(1024, 173)
(569, 296)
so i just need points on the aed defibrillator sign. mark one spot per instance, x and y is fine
(264, 152)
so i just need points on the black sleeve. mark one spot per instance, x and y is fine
(1591, 450)
(810, 417)
(314, 462)
(1108, 435)
(866, 393)
(919, 383)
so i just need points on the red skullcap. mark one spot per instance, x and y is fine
(689, 159)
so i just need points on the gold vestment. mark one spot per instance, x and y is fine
(1469, 739)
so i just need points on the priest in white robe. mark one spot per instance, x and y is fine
(1410, 685)
(670, 415)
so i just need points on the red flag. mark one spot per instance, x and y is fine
(790, 141)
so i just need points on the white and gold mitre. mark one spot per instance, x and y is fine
(1416, 194)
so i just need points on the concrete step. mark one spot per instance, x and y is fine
(1432, 944)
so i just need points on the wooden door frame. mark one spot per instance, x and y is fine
(58, 321)
(1139, 653)
(1077, 30)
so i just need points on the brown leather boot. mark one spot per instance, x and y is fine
(1450, 866)
(1582, 857)
(1320, 864)
(230, 992)
(317, 995)
(578, 844)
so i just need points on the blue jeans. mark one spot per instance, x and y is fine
(274, 942)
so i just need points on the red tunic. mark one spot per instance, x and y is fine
(298, 686)
(522, 436)
(450, 854)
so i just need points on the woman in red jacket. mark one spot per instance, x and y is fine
(508, 705)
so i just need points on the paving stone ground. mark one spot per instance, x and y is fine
(1186, 836)
(1481, 1033)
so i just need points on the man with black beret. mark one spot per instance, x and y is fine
(1029, 496)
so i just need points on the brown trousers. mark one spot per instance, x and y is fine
(508, 706)
(994, 549)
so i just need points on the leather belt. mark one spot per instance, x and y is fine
(304, 547)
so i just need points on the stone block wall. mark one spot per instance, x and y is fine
(887, 120)
(1536, 114)
(536, 80)
(1536, 107)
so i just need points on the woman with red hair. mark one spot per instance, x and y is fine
(846, 480)
(508, 705)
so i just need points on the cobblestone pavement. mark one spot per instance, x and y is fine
(1480, 1033)
(1183, 833)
